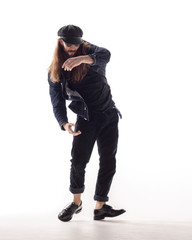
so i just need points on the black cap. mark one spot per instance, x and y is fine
(71, 34)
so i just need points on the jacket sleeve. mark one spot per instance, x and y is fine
(101, 57)
(58, 102)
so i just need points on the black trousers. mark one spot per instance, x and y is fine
(103, 129)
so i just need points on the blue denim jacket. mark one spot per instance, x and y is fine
(60, 92)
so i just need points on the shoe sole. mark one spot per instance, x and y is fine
(102, 217)
(99, 217)
(78, 211)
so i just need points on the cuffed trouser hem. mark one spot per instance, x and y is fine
(77, 190)
(101, 199)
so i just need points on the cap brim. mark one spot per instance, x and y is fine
(74, 40)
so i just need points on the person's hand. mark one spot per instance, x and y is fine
(68, 127)
(72, 62)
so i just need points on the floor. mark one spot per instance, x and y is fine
(50, 228)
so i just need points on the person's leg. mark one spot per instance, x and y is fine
(107, 147)
(77, 199)
(81, 151)
(99, 204)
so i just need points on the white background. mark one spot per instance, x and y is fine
(150, 77)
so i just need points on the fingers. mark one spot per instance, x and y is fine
(69, 126)
(76, 133)
(68, 65)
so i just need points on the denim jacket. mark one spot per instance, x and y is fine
(60, 92)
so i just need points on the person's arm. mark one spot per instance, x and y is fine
(101, 56)
(70, 63)
(58, 102)
(59, 107)
(97, 57)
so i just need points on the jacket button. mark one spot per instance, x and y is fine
(85, 118)
(85, 108)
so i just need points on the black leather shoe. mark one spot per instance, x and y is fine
(67, 213)
(107, 211)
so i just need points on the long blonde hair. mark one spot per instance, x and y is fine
(60, 56)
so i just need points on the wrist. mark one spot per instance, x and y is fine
(64, 125)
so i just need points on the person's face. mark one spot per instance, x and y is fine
(70, 49)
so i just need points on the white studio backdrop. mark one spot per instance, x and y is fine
(150, 77)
